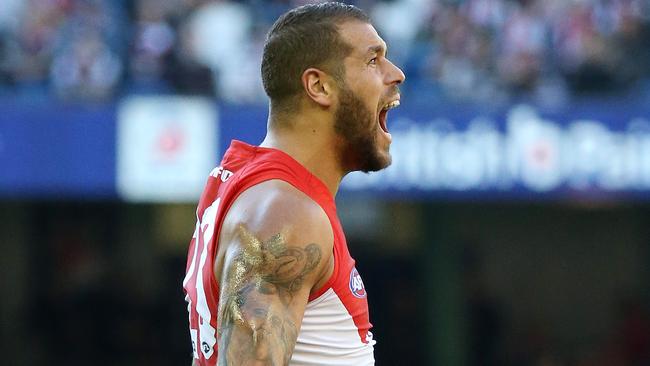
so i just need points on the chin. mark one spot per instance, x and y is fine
(379, 161)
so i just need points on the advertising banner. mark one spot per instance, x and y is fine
(521, 154)
(157, 149)
(165, 148)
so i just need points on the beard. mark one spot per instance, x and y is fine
(357, 126)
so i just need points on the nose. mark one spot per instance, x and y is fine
(395, 75)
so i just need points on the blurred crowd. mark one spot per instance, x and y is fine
(479, 50)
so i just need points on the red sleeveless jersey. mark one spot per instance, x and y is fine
(335, 327)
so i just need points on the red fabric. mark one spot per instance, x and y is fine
(242, 167)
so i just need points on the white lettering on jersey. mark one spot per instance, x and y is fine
(220, 172)
(203, 234)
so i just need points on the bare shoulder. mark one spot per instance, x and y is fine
(276, 207)
(278, 202)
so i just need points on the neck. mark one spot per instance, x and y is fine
(310, 142)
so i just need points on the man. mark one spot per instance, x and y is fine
(269, 277)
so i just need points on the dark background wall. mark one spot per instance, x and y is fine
(449, 284)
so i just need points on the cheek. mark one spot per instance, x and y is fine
(373, 89)
(369, 86)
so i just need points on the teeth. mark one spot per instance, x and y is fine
(391, 105)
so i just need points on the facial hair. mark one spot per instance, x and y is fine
(357, 126)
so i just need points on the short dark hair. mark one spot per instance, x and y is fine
(305, 37)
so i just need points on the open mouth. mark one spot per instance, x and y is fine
(384, 112)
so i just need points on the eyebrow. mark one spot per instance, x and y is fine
(376, 49)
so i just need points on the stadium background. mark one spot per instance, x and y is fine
(513, 228)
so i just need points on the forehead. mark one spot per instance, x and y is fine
(362, 37)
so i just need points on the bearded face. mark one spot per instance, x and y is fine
(357, 126)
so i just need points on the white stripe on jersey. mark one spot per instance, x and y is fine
(329, 337)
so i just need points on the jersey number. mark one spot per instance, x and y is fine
(202, 236)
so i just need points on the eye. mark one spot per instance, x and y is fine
(373, 61)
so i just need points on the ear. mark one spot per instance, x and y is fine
(318, 86)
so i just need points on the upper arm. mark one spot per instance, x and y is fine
(277, 245)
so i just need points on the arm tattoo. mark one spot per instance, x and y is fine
(255, 323)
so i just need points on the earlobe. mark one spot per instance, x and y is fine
(316, 85)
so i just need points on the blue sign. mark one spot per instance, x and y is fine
(56, 151)
(590, 150)
(519, 154)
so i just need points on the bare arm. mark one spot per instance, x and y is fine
(270, 267)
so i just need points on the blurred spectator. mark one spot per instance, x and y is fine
(153, 39)
(399, 23)
(32, 43)
(222, 40)
(522, 46)
(480, 50)
(85, 69)
(184, 72)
